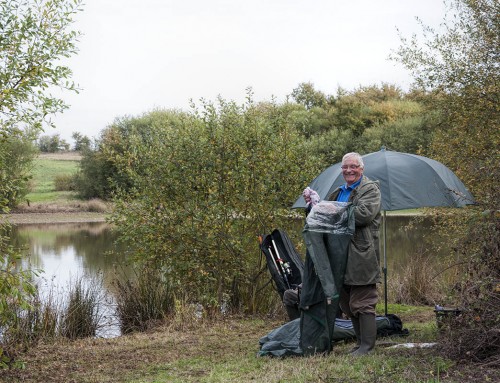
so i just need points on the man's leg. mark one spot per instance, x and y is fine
(345, 307)
(362, 304)
(291, 302)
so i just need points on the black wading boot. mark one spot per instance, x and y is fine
(368, 327)
(355, 325)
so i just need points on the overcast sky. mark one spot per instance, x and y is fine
(137, 55)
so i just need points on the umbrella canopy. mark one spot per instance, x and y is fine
(407, 181)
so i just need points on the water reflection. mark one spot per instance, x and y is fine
(69, 252)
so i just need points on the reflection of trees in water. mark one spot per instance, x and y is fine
(91, 243)
(55, 239)
(408, 236)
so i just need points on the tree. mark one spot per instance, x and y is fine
(81, 141)
(52, 144)
(203, 188)
(16, 158)
(458, 67)
(306, 95)
(35, 37)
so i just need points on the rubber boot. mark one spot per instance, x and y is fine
(368, 327)
(355, 326)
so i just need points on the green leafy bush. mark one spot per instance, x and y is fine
(204, 188)
(64, 182)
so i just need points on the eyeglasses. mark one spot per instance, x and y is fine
(345, 167)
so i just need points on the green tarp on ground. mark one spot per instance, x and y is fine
(285, 340)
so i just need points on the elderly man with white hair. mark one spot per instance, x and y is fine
(358, 296)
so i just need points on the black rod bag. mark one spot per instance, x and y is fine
(283, 261)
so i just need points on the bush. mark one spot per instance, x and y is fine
(16, 163)
(476, 332)
(64, 182)
(97, 206)
(202, 192)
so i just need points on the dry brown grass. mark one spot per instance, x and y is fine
(129, 357)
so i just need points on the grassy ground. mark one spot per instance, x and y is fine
(44, 204)
(226, 351)
(46, 168)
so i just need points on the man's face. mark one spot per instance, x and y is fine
(351, 170)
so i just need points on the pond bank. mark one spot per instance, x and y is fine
(54, 217)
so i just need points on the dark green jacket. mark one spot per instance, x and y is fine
(363, 263)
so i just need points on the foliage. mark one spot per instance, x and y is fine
(81, 141)
(458, 67)
(52, 144)
(16, 162)
(223, 175)
(35, 37)
(306, 95)
(93, 177)
(364, 120)
(16, 290)
(108, 163)
(16, 286)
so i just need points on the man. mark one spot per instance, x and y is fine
(358, 296)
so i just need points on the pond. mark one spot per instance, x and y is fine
(66, 252)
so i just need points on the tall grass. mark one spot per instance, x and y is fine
(143, 302)
(29, 325)
(82, 315)
(417, 283)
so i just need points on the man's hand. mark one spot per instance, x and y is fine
(310, 196)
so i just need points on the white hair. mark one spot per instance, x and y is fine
(356, 156)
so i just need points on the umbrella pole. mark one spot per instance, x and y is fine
(385, 264)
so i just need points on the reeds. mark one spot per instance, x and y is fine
(417, 283)
(143, 302)
(28, 326)
(82, 315)
(46, 318)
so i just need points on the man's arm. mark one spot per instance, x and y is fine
(368, 204)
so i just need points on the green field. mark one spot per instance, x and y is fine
(45, 170)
